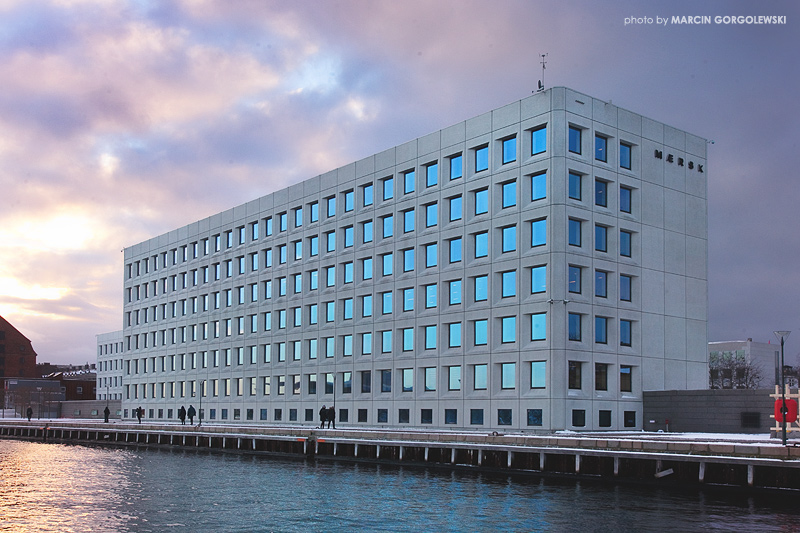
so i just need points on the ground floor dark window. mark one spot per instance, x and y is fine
(249, 414)
(383, 416)
(534, 417)
(451, 416)
(169, 413)
(629, 419)
(362, 415)
(293, 415)
(160, 413)
(344, 416)
(504, 417)
(263, 414)
(278, 415)
(309, 415)
(237, 414)
(578, 418)
(212, 414)
(426, 416)
(476, 417)
(224, 414)
(605, 419)
(403, 416)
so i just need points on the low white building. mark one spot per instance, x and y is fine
(726, 358)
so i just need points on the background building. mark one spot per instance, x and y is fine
(109, 366)
(744, 364)
(536, 267)
(17, 358)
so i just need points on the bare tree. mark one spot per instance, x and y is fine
(728, 370)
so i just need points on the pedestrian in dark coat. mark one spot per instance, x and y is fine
(182, 415)
(331, 417)
(191, 412)
(107, 413)
(323, 416)
(139, 413)
(29, 412)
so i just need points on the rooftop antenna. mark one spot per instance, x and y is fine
(541, 81)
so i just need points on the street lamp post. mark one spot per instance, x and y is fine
(781, 335)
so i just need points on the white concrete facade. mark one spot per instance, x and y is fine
(109, 366)
(224, 305)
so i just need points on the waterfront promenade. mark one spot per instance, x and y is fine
(753, 462)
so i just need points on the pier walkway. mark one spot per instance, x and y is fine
(753, 462)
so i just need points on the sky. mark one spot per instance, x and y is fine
(121, 120)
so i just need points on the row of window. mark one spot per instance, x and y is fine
(428, 379)
(507, 191)
(533, 416)
(601, 146)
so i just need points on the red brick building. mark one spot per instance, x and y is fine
(17, 358)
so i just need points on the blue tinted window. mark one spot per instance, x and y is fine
(408, 299)
(481, 201)
(481, 288)
(432, 175)
(331, 206)
(387, 264)
(625, 155)
(430, 296)
(574, 232)
(509, 150)
(625, 243)
(509, 283)
(455, 208)
(539, 332)
(431, 255)
(455, 250)
(348, 236)
(509, 239)
(574, 327)
(601, 193)
(508, 333)
(509, 194)
(408, 260)
(625, 287)
(600, 330)
(431, 215)
(481, 159)
(600, 284)
(408, 181)
(368, 231)
(575, 279)
(625, 332)
(408, 220)
(367, 263)
(538, 279)
(481, 244)
(539, 140)
(456, 167)
(367, 195)
(349, 200)
(455, 335)
(386, 303)
(481, 332)
(574, 140)
(625, 194)
(600, 148)
(574, 186)
(455, 292)
(388, 226)
(539, 186)
(314, 212)
(539, 232)
(388, 188)
(600, 238)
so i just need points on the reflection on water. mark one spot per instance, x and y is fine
(52, 487)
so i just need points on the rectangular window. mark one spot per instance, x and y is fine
(330, 238)
(625, 285)
(455, 205)
(539, 326)
(314, 208)
(601, 193)
(481, 332)
(509, 150)
(575, 186)
(509, 239)
(431, 215)
(481, 288)
(508, 329)
(625, 238)
(366, 268)
(453, 378)
(509, 283)
(366, 381)
(348, 236)
(538, 374)
(298, 217)
(408, 299)
(455, 292)
(575, 379)
(625, 332)
(455, 250)
(386, 303)
(600, 148)
(408, 260)
(574, 140)
(367, 195)
(367, 231)
(480, 377)
(454, 335)
(456, 167)
(481, 244)
(600, 284)
(539, 140)
(600, 376)
(625, 378)
(481, 158)
(575, 279)
(387, 226)
(508, 376)
(481, 201)
(386, 341)
(574, 323)
(625, 155)
(504, 417)
(408, 379)
(388, 188)
(476, 417)
(601, 330)
(430, 337)
(539, 279)
(539, 232)
(509, 194)
(386, 263)
(430, 296)
(432, 174)
(408, 221)
(386, 381)
(600, 238)
(409, 179)
(331, 206)
(579, 418)
(625, 198)
(539, 186)
(349, 201)
(430, 378)
(534, 417)
(574, 232)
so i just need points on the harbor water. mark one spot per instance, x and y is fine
(72, 488)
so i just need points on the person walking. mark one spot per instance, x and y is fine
(323, 416)
(107, 413)
(331, 417)
(139, 413)
(29, 412)
(182, 415)
(191, 412)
